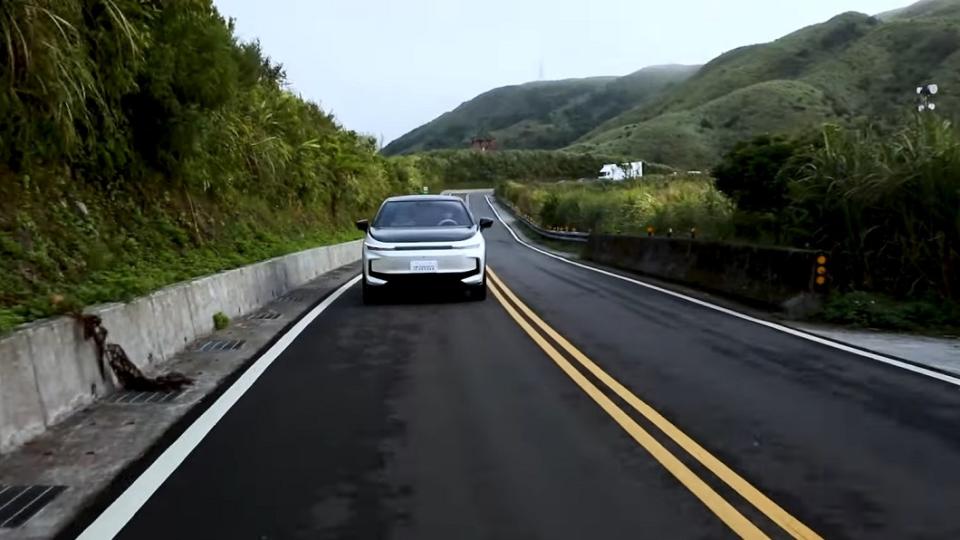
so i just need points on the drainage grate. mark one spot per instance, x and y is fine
(265, 315)
(292, 297)
(20, 503)
(221, 345)
(139, 398)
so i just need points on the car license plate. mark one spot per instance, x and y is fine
(423, 266)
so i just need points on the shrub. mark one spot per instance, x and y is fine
(628, 207)
(889, 204)
(750, 173)
(220, 320)
(870, 310)
(489, 168)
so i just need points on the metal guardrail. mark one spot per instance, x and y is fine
(564, 236)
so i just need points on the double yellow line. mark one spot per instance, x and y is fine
(737, 522)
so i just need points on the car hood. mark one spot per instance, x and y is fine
(423, 234)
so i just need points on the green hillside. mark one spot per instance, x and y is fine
(695, 136)
(541, 115)
(852, 68)
(790, 57)
(923, 8)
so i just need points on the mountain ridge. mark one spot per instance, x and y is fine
(539, 114)
(853, 68)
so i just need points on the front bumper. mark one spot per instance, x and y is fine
(454, 267)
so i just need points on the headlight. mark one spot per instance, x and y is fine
(378, 247)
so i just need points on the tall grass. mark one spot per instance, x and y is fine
(666, 202)
(142, 142)
(52, 87)
(889, 204)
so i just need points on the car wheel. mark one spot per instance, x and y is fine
(478, 293)
(370, 295)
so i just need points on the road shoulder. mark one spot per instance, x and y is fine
(101, 449)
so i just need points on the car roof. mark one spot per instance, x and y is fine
(424, 198)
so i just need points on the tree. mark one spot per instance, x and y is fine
(750, 173)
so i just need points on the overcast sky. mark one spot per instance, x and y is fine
(384, 67)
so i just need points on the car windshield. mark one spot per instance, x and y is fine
(436, 213)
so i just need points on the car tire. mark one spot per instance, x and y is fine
(478, 293)
(371, 296)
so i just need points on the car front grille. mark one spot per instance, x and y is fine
(440, 278)
(400, 264)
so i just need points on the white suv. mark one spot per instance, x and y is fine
(427, 241)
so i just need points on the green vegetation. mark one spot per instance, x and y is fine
(63, 245)
(625, 207)
(220, 320)
(696, 137)
(540, 115)
(143, 144)
(851, 70)
(888, 205)
(750, 173)
(848, 69)
(885, 205)
(755, 174)
(923, 8)
(485, 169)
(871, 310)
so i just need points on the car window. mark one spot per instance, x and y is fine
(423, 214)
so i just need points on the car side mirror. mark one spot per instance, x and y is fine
(363, 225)
(485, 223)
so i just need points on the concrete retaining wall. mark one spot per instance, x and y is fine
(48, 371)
(768, 275)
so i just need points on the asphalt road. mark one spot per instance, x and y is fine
(438, 419)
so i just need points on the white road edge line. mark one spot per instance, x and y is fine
(772, 325)
(119, 513)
